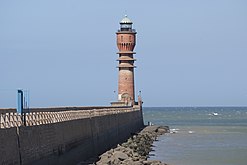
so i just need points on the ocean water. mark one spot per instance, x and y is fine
(202, 135)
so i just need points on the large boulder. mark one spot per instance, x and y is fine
(120, 155)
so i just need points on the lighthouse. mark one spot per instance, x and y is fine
(126, 41)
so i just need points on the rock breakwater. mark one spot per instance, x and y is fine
(136, 150)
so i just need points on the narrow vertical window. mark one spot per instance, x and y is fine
(121, 38)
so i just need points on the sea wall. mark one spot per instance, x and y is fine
(9, 152)
(69, 141)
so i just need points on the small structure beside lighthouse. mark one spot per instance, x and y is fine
(126, 41)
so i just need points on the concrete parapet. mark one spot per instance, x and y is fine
(8, 120)
(35, 117)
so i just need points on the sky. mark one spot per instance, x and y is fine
(63, 52)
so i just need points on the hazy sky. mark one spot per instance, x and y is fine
(189, 52)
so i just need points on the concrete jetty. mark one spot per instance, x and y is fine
(64, 135)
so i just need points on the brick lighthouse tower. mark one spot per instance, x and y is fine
(126, 40)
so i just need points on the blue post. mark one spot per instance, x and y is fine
(19, 101)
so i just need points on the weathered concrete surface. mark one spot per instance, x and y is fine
(67, 142)
(9, 150)
(135, 151)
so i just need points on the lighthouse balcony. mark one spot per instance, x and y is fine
(126, 58)
(126, 52)
(126, 65)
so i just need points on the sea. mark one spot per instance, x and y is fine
(200, 135)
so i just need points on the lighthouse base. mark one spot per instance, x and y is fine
(123, 103)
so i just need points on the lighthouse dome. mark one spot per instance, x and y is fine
(126, 20)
